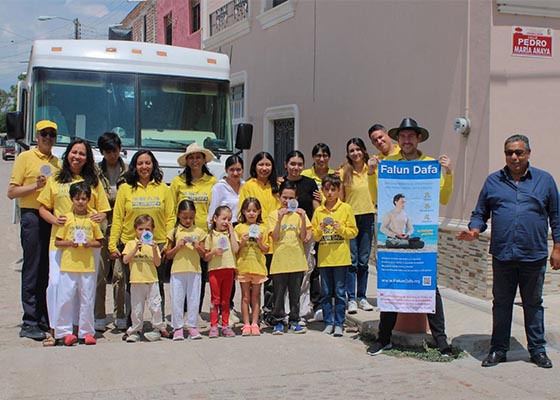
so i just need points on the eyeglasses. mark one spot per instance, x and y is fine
(49, 133)
(518, 153)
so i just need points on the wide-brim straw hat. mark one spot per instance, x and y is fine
(409, 124)
(192, 149)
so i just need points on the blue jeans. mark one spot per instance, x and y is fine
(333, 284)
(529, 276)
(360, 248)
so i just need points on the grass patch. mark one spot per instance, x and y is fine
(424, 353)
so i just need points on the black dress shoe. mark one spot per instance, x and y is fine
(493, 358)
(32, 332)
(542, 360)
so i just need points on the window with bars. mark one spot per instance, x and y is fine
(168, 23)
(195, 15)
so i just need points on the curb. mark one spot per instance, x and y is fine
(472, 344)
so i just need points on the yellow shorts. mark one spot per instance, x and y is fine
(251, 278)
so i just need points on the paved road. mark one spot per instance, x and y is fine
(311, 366)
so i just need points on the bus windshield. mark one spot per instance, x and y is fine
(146, 111)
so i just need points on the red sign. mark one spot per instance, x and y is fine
(532, 42)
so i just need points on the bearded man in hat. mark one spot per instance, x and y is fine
(29, 176)
(408, 135)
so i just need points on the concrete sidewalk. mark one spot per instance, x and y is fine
(468, 321)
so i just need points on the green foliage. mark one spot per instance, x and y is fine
(8, 102)
(424, 353)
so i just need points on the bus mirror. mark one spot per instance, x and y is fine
(14, 125)
(244, 136)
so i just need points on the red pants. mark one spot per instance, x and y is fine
(221, 282)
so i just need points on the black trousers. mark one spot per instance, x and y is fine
(34, 236)
(436, 321)
(291, 282)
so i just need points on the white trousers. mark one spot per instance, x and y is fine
(52, 288)
(75, 288)
(140, 293)
(184, 285)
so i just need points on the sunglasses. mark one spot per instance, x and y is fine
(49, 133)
(518, 153)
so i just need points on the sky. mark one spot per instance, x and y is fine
(19, 26)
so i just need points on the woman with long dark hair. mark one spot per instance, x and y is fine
(78, 165)
(355, 191)
(263, 185)
(143, 192)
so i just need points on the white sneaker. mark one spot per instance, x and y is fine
(99, 325)
(152, 336)
(364, 305)
(352, 307)
(318, 315)
(120, 324)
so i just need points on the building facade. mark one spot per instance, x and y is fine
(308, 71)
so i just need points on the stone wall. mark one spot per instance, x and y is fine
(467, 266)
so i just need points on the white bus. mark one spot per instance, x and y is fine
(155, 97)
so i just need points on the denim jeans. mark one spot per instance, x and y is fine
(360, 249)
(529, 276)
(333, 284)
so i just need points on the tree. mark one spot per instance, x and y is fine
(8, 102)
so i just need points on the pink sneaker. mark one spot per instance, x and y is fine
(246, 330)
(214, 332)
(194, 334)
(255, 330)
(178, 334)
(227, 332)
(89, 340)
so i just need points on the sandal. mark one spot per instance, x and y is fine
(50, 341)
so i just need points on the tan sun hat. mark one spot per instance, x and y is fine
(192, 149)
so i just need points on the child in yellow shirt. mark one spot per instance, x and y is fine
(143, 257)
(185, 246)
(251, 262)
(289, 229)
(77, 281)
(221, 245)
(334, 225)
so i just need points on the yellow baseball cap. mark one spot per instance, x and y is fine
(44, 124)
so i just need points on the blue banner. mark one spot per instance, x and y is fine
(407, 226)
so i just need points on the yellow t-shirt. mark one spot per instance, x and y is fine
(358, 194)
(334, 245)
(187, 258)
(254, 188)
(288, 254)
(250, 258)
(55, 196)
(310, 173)
(142, 268)
(200, 193)
(214, 240)
(154, 200)
(78, 259)
(27, 167)
(445, 183)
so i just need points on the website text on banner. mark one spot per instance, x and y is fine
(408, 209)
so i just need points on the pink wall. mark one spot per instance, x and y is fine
(181, 15)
